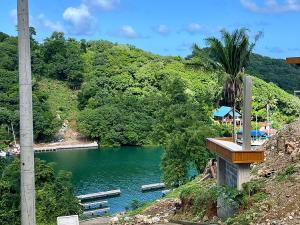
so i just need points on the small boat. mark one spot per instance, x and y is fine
(258, 142)
(254, 141)
(2, 154)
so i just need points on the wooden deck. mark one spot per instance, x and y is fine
(293, 60)
(104, 194)
(233, 152)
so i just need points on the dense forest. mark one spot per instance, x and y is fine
(54, 193)
(120, 95)
(115, 94)
(277, 71)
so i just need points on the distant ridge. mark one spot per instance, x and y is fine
(277, 71)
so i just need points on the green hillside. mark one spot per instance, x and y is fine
(118, 94)
(277, 71)
(61, 98)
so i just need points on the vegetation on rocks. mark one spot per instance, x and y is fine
(271, 197)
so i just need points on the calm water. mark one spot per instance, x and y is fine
(126, 168)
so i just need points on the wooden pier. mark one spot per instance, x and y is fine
(55, 148)
(98, 195)
(98, 212)
(94, 205)
(153, 187)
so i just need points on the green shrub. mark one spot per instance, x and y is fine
(54, 193)
(286, 174)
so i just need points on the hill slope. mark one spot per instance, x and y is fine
(115, 92)
(271, 197)
(277, 71)
(61, 98)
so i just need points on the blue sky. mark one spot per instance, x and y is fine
(167, 27)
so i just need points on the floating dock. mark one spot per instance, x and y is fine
(153, 187)
(94, 205)
(165, 192)
(98, 195)
(55, 148)
(98, 212)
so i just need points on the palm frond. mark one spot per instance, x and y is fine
(233, 52)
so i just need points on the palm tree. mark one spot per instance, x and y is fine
(233, 53)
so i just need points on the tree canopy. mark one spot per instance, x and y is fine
(233, 53)
(112, 93)
(54, 193)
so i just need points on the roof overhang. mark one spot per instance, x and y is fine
(233, 152)
(293, 60)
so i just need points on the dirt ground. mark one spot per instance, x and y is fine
(283, 204)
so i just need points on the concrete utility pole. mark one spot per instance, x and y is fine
(247, 113)
(26, 122)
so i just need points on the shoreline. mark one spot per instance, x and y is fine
(65, 147)
(68, 146)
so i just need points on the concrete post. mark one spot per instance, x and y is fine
(243, 170)
(247, 113)
(243, 175)
(26, 122)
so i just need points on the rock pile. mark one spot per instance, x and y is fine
(157, 213)
(282, 149)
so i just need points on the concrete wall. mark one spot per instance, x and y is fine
(233, 175)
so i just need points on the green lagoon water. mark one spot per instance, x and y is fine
(125, 168)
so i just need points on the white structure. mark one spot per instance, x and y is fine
(68, 220)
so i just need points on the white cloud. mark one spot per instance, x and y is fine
(39, 22)
(43, 23)
(128, 32)
(162, 30)
(79, 20)
(103, 4)
(272, 6)
(194, 28)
